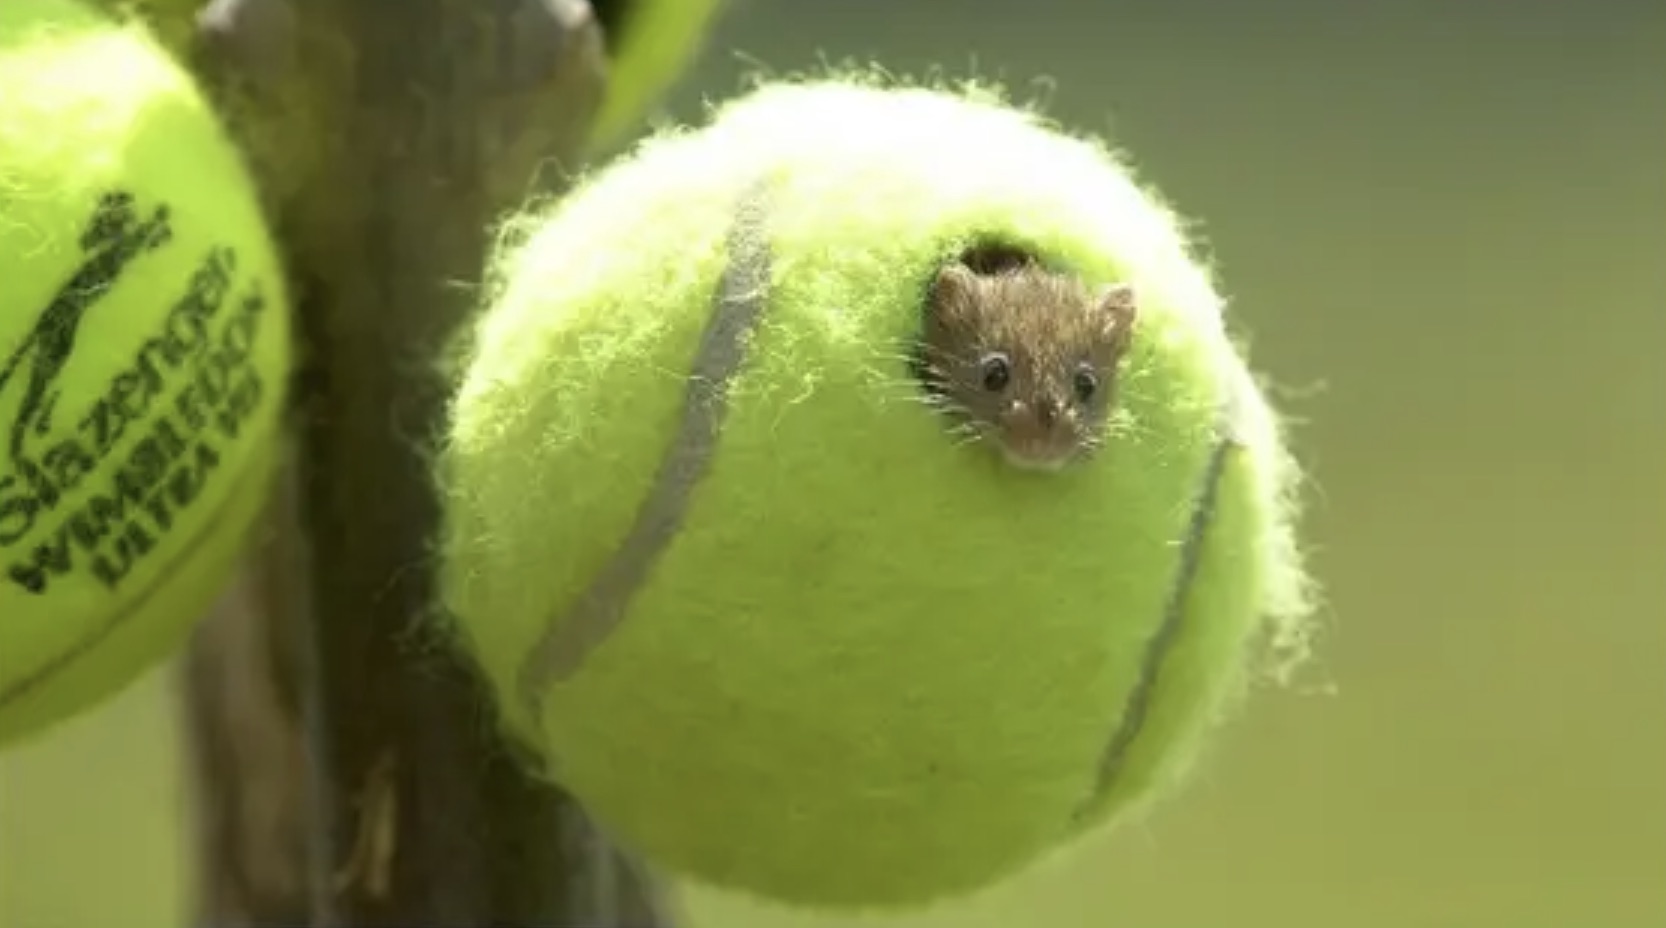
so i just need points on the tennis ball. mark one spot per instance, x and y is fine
(143, 354)
(649, 43)
(754, 602)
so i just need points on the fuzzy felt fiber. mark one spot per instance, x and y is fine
(877, 666)
(144, 348)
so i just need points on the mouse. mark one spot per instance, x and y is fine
(1023, 358)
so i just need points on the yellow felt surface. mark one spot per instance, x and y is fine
(1451, 225)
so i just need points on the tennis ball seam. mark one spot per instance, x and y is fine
(244, 482)
(1137, 705)
(741, 300)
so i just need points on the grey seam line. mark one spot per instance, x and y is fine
(1138, 706)
(740, 301)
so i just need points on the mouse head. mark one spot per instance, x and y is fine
(1027, 357)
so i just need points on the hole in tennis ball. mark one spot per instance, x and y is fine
(988, 259)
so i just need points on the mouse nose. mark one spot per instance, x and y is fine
(1046, 411)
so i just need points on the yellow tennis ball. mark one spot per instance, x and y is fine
(650, 43)
(776, 618)
(144, 345)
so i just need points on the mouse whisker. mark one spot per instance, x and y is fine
(929, 356)
(972, 437)
(911, 387)
(949, 407)
(909, 392)
(909, 356)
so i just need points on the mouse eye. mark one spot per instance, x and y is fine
(997, 372)
(1085, 383)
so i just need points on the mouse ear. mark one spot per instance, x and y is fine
(952, 289)
(1118, 309)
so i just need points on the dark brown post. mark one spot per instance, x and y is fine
(347, 773)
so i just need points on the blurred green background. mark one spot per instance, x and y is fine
(1444, 226)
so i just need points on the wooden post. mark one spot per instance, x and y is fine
(347, 772)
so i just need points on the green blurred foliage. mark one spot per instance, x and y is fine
(1443, 227)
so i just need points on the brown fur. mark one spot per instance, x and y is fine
(1051, 335)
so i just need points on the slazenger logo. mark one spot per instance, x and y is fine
(113, 238)
(94, 490)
